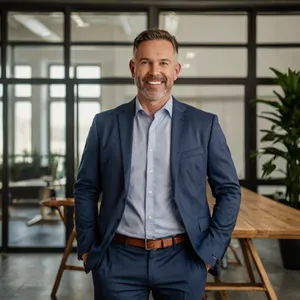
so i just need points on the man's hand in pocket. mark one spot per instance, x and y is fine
(84, 257)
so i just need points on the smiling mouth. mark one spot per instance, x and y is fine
(154, 82)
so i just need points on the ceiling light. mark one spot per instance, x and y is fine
(37, 27)
(79, 21)
(190, 55)
(186, 66)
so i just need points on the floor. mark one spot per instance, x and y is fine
(49, 233)
(30, 277)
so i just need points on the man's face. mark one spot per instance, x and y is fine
(154, 69)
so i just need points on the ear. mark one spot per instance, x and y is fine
(177, 71)
(132, 67)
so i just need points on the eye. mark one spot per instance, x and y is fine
(164, 63)
(144, 62)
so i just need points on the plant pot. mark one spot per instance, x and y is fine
(289, 250)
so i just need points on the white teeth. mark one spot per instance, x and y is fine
(154, 82)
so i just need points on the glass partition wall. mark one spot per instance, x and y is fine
(62, 65)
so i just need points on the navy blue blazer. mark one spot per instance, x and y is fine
(199, 152)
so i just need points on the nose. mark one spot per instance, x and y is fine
(154, 70)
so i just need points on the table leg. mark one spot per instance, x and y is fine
(261, 270)
(247, 259)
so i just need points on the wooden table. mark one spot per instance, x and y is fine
(259, 217)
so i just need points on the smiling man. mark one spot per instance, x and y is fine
(151, 159)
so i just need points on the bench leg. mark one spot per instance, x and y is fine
(270, 293)
(64, 259)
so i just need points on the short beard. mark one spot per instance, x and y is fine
(147, 96)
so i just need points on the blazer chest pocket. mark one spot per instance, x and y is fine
(192, 152)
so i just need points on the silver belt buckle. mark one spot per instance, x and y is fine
(146, 247)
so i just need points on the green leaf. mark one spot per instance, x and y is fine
(280, 97)
(275, 151)
(268, 168)
(271, 113)
(272, 136)
(275, 121)
(268, 102)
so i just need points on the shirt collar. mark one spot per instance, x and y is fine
(168, 106)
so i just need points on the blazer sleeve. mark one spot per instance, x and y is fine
(87, 190)
(225, 187)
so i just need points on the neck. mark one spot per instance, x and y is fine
(152, 106)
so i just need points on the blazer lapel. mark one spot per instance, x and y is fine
(126, 133)
(178, 127)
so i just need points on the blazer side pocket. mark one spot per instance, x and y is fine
(192, 152)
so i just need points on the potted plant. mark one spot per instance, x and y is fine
(284, 136)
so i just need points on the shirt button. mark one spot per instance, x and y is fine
(150, 192)
(150, 150)
(150, 217)
(150, 171)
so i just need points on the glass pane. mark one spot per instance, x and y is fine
(113, 60)
(57, 127)
(266, 92)
(211, 62)
(58, 72)
(1, 164)
(280, 59)
(208, 28)
(107, 27)
(196, 62)
(86, 113)
(39, 58)
(43, 27)
(278, 29)
(271, 191)
(89, 91)
(22, 90)
(88, 72)
(228, 103)
(115, 95)
(35, 172)
(23, 127)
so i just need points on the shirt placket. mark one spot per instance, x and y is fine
(149, 203)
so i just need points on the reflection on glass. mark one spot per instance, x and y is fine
(107, 27)
(43, 27)
(228, 103)
(206, 28)
(35, 172)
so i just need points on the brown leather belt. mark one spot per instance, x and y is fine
(150, 244)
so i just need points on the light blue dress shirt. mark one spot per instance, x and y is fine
(151, 211)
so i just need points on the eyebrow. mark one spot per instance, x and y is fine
(148, 59)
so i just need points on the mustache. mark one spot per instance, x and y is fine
(153, 78)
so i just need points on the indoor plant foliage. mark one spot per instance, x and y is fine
(285, 130)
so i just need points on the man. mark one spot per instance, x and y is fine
(150, 158)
